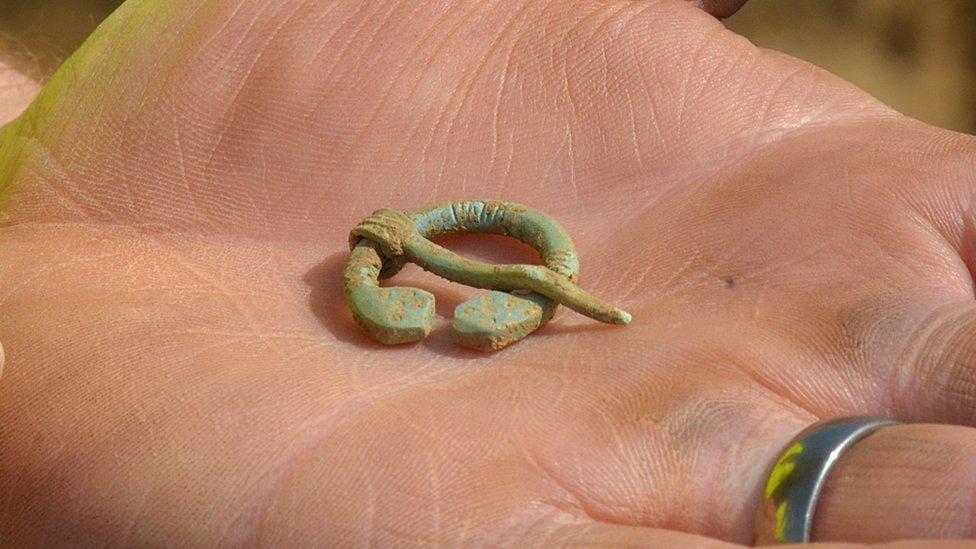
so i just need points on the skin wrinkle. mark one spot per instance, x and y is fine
(577, 502)
(788, 79)
(914, 349)
(128, 30)
(737, 456)
(634, 135)
(564, 81)
(127, 536)
(706, 42)
(621, 446)
(225, 291)
(182, 164)
(823, 350)
(372, 524)
(426, 68)
(905, 263)
(957, 384)
(641, 9)
(653, 202)
(307, 440)
(426, 152)
(922, 221)
(503, 80)
(45, 101)
(326, 42)
(230, 112)
(621, 453)
(950, 243)
(760, 59)
(387, 94)
(43, 272)
(652, 102)
(572, 92)
(69, 165)
(446, 115)
(436, 490)
(478, 70)
(8, 177)
(311, 437)
(778, 394)
(362, 15)
(31, 116)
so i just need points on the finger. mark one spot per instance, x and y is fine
(901, 482)
(18, 84)
(720, 8)
(938, 384)
(935, 375)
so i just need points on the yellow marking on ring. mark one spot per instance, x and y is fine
(781, 521)
(783, 468)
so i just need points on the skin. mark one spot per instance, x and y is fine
(181, 368)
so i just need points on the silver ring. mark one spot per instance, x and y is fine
(785, 513)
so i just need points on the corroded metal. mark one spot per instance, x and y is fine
(524, 296)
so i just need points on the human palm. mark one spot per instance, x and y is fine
(181, 366)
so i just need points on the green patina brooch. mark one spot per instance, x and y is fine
(525, 296)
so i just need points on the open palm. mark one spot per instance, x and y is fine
(181, 367)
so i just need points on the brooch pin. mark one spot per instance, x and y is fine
(524, 297)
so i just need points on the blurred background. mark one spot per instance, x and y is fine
(919, 56)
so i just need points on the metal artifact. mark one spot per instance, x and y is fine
(523, 297)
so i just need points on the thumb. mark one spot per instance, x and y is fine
(940, 384)
(720, 8)
(902, 482)
(19, 82)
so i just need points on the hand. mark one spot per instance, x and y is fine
(182, 370)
